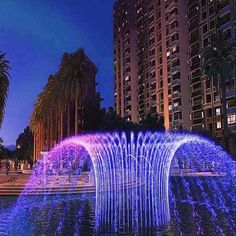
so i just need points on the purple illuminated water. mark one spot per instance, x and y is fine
(131, 174)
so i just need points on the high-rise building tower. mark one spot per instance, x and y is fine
(160, 62)
(151, 43)
(163, 61)
(125, 59)
(206, 17)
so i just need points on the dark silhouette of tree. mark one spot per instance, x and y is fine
(25, 145)
(219, 66)
(103, 120)
(152, 121)
(4, 83)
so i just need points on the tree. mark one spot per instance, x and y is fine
(219, 64)
(108, 120)
(24, 145)
(4, 83)
(152, 121)
(67, 88)
(1, 145)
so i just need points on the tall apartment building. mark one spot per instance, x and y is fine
(125, 60)
(163, 61)
(160, 63)
(169, 37)
(205, 18)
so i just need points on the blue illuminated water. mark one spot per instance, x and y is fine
(134, 191)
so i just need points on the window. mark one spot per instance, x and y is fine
(204, 29)
(218, 111)
(175, 49)
(211, 10)
(204, 15)
(227, 33)
(208, 84)
(231, 103)
(205, 42)
(212, 24)
(161, 83)
(161, 72)
(231, 119)
(209, 112)
(208, 98)
(203, 2)
(174, 37)
(218, 125)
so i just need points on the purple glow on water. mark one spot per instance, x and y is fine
(131, 178)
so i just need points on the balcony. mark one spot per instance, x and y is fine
(177, 109)
(176, 95)
(173, 17)
(176, 82)
(223, 7)
(225, 25)
(230, 93)
(177, 122)
(231, 110)
(232, 128)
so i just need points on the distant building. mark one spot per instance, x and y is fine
(69, 119)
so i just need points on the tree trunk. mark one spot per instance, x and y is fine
(76, 114)
(51, 131)
(68, 119)
(61, 126)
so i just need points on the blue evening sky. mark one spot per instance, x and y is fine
(35, 34)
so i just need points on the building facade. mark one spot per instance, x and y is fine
(161, 60)
(169, 40)
(205, 19)
(70, 118)
(125, 60)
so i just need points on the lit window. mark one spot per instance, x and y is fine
(231, 119)
(217, 111)
(170, 107)
(168, 54)
(218, 125)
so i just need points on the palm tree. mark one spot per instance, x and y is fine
(218, 64)
(73, 85)
(4, 83)
(68, 87)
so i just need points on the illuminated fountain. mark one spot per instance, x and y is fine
(132, 181)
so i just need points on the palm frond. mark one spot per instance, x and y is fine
(4, 83)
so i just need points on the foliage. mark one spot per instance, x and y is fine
(219, 66)
(108, 120)
(4, 83)
(25, 145)
(66, 86)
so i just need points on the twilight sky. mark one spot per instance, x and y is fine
(35, 34)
